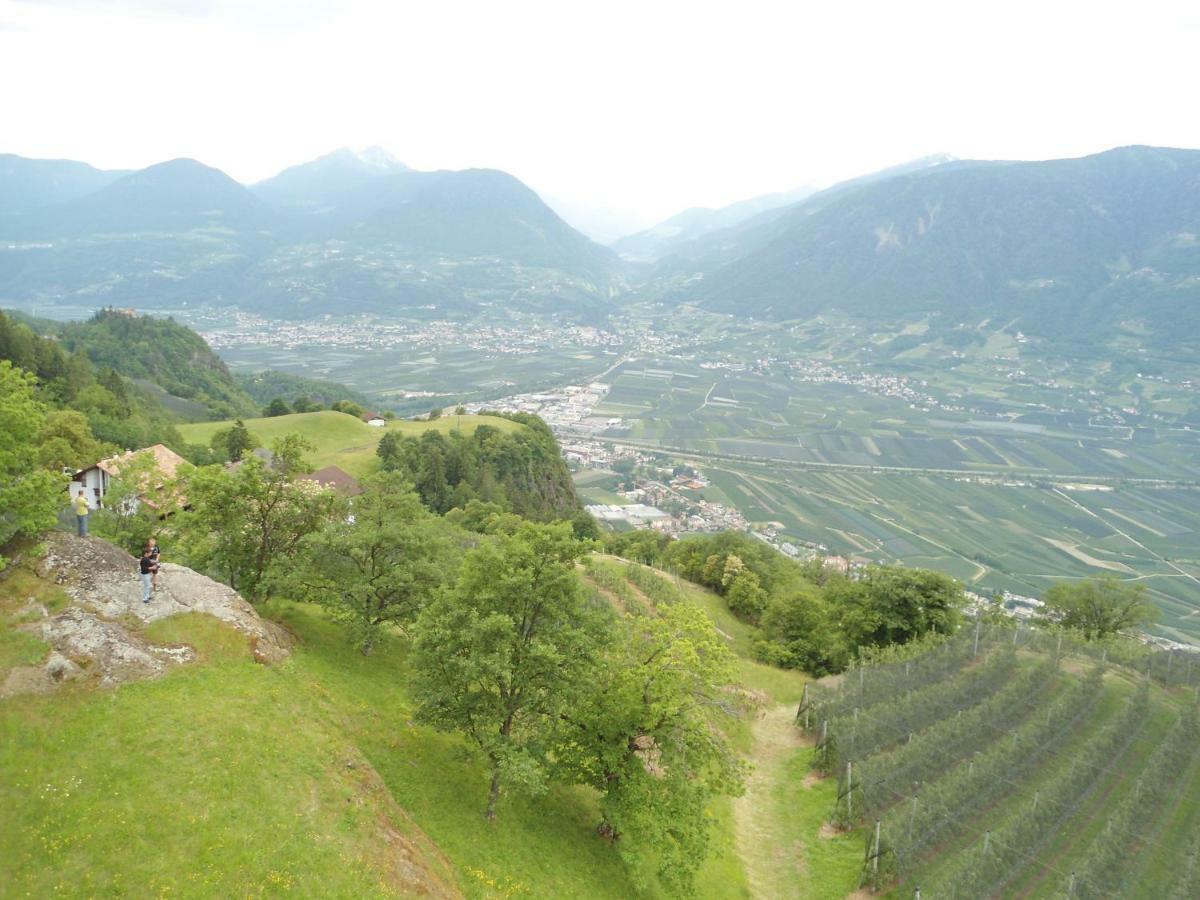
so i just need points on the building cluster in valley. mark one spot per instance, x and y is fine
(366, 332)
(568, 410)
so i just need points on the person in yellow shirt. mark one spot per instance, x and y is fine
(82, 509)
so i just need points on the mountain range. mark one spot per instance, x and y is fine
(1073, 249)
(346, 232)
(1066, 249)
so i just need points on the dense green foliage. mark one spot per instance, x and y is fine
(522, 470)
(501, 656)
(1099, 607)
(162, 352)
(115, 412)
(29, 494)
(645, 734)
(379, 567)
(808, 618)
(246, 524)
(303, 394)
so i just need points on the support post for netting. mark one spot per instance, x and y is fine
(1058, 647)
(987, 840)
(1036, 795)
(875, 860)
(1071, 886)
(978, 624)
(849, 791)
(912, 818)
(917, 893)
(1016, 631)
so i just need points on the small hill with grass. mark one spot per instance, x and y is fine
(340, 439)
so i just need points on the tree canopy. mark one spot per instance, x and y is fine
(521, 471)
(1099, 607)
(245, 523)
(504, 653)
(378, 567)
(647, 735)
(29, 494)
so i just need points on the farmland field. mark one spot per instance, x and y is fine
(1000, 503)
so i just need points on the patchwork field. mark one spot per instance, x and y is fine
(1021, 539)
(1011, 502)
(879, 423)
(453, 372)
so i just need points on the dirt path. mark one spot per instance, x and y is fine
(769, 864)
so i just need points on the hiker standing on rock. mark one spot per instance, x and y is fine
(152, 544)
(147, 568)
(82, 509)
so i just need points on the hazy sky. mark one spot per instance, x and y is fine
(643, 106)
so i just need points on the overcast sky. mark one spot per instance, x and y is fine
(646, 107)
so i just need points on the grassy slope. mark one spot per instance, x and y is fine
(219, 779)
(340, 439)
(228, 777)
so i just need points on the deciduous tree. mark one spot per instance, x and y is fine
(247, 521)
(1099, 607)
(647, 735)
(382, 567)
(504, 653)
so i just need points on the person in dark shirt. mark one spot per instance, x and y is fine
(146, 566)
(153, 545)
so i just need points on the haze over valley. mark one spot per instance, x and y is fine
(1004, 328)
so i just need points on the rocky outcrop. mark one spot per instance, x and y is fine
(98, 636)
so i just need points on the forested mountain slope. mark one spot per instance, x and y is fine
(1062, 249)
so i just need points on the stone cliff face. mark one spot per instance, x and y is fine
(98, 635)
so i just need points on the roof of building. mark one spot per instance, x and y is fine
(368, 416)
(166, 460)
(337, 479)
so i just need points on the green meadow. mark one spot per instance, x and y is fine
(341, 439)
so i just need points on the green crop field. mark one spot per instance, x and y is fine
(1014, 766)
(1020, 538)
(994, 495)
(341, 439)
